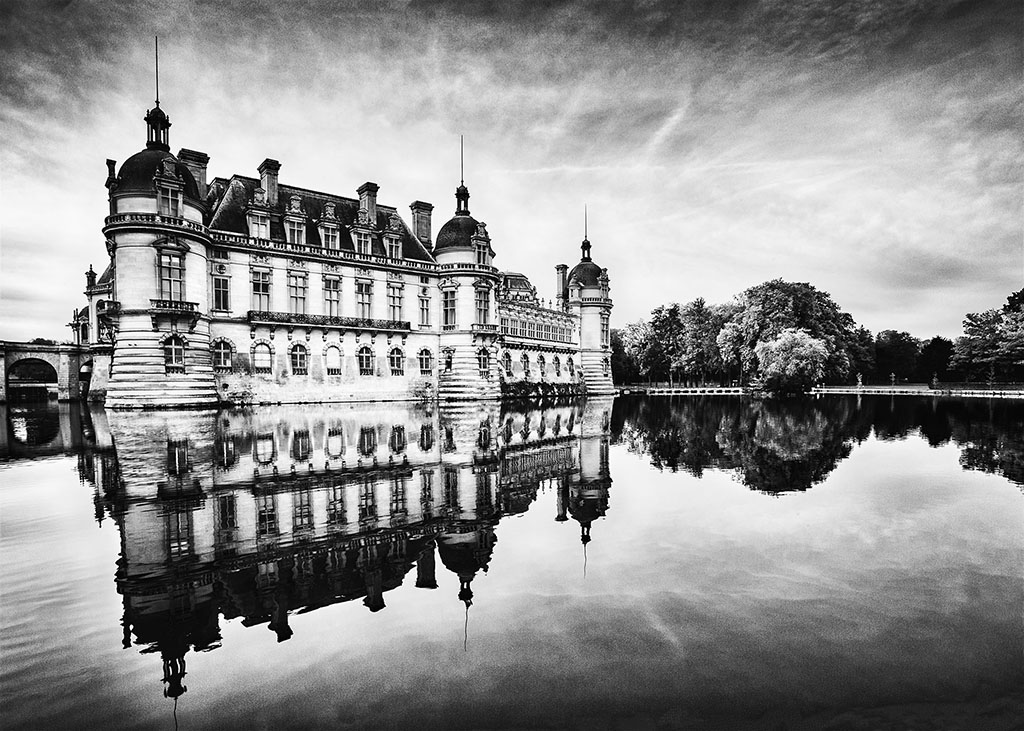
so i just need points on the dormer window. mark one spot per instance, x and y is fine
(295, 231)
(329, 235)
(481, 254)
(394, 247)
(168, 201)
(259, 226)
(363, 243)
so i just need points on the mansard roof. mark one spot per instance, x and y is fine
(232, 199)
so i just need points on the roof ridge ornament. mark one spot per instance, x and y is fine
(462, 192)
(157, 121)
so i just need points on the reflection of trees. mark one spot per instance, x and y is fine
(783, 446)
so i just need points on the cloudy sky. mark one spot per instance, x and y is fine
(870, 147)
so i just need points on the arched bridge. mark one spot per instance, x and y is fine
(57, 368)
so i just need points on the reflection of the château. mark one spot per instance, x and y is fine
(257, 514)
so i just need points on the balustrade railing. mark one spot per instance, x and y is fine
(484, 327)
(156, 219)
(353, 323)
(174, 306)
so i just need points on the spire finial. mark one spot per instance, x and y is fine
(156, 55)
(584, 220)
(462, 192)
(462, 160)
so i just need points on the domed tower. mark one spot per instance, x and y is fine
(158, 242)
(585, 293)
(468, 284)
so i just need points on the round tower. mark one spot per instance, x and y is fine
(158, 242)
(468, 283)
(586, 294)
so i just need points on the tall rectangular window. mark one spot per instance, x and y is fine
(424, 311)
(364, 299)
(221, 300)
(172, 277)
(604, 329)
(259, 226)
(362, 243)
(297, 294)
(332, 297)
(448, 308)
(169, 201)
(504, 326)
(481, 253)
(330, 238)
(295, 232)
(483, 306)
(260, 290)
(395, 248)
(394, 302)
(266, 516)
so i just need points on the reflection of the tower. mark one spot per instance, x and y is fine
(256, 515)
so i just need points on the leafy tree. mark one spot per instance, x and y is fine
(625, 368)
(792, 362)
(666, 340)
(766, 310)
(699, 354)
(636, 345)
(896, 352)
(862, 354)
(978, 351)
(933, 361)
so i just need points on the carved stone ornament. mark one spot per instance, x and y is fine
(447, 283)
(169, 169)
(363, 217)
(295, 204)
(259, 197)
(395, 223)
(111, 247)
(297, 264)
(259, 259)
(362, 272)
(481, 230)
(482, 284)
(329, 210)
(333, 268)
(395, 277)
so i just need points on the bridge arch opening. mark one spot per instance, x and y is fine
(31, 379)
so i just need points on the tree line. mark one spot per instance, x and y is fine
(787, 336)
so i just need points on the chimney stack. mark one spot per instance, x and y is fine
(421, 221)
(196, 163)
(268, 179)
(561, 272)
(368, 199)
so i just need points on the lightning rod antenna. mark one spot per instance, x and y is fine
(156, 54)
(462, 162)
(584, 220)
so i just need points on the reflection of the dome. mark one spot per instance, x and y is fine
(257, 514)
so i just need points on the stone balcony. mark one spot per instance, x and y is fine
(264, 317)
(150, 221)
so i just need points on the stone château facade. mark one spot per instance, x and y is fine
(249, 289)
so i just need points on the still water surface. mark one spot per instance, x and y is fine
(636, 564)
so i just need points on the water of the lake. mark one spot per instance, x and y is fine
(651, 563)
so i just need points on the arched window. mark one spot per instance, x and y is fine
(426, 363)
(332, 360)
(506, 362)
(540, 364)
(483, 361)
(449, 356)
(265, 448)
(558, 366)
(222, 355)
(174, 354)
(526, 364)
(262, 359)
(367, 441)
(396, 359)
(300, 360)
(572, 368)
(426, 437)
(365, 358)
(397, 441)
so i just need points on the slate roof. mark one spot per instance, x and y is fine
(232, 197)
(136, 173)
